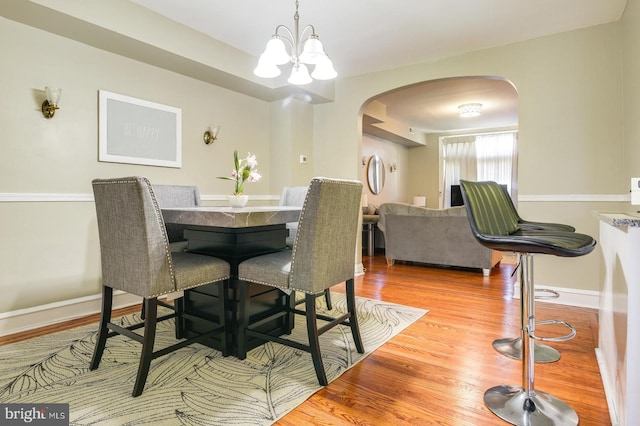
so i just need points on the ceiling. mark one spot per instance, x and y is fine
(364, 36)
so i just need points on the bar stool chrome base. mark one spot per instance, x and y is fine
(512, 347)
(512, 404)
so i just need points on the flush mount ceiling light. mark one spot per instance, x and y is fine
(306, 49)
(470, 110)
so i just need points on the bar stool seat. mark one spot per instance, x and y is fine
(494, 226)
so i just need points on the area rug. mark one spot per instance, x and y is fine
(193, 386)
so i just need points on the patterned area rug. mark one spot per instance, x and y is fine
(193, 386)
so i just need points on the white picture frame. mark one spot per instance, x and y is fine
(136, 131)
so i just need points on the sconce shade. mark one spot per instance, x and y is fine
(50, 105)
(53, 94)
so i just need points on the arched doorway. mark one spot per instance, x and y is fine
(404, 128)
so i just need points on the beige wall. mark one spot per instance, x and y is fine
(396, 184)
(631, 72)
(570, 135)
(571, 139)
(50, 250)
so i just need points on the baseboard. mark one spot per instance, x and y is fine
(52, 313)
(609, 387)
(568, 296)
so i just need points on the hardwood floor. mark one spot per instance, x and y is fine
(437, 370)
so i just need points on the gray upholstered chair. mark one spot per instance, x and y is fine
(136, 258)
(294, 196)
(322, 256)
(169, 196)
(493, 224)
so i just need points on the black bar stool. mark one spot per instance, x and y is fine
(493, 226)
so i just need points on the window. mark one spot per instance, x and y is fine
(485, 156)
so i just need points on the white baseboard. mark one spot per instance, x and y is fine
(609, 388)
(53, 313)
(568, 296)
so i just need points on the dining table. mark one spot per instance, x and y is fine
(233, 234)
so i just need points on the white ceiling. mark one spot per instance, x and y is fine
(363, 36)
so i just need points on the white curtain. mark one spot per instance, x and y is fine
(459, 153)
(488, 156)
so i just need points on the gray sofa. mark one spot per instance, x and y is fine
(432, 236)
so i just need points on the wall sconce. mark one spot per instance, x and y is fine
(393, 167)
(211, 135)
(364, 161)
(50, 105)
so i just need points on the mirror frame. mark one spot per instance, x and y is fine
(375, 174)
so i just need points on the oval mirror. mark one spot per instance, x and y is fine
(375, 174)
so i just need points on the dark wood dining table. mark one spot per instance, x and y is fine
(233, 234)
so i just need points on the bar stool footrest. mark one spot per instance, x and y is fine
(571, 335)
(512, 347)
(552, 293)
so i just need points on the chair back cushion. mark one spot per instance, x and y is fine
(134, 247)
(325, 246)
(169, 196)
(489, 209)
(177, 195)
(293, 196)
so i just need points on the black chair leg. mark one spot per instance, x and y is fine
(103, 331)
(327, 298)
(353, 320)
(243, 319)
(151, 310)
(178, 306)
(314, 342)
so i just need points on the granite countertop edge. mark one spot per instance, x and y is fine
(619, 219)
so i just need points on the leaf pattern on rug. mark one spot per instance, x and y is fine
(195, 385)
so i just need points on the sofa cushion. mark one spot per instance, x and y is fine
(404, 209)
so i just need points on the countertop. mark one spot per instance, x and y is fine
(619, 219)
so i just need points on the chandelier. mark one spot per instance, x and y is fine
(306, 49)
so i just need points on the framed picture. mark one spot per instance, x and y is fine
(138, 132)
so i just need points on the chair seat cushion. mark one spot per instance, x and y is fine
(558, 243)
(270, 269)
(545, 226)
(192, 270)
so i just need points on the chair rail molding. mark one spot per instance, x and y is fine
(51, 197)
